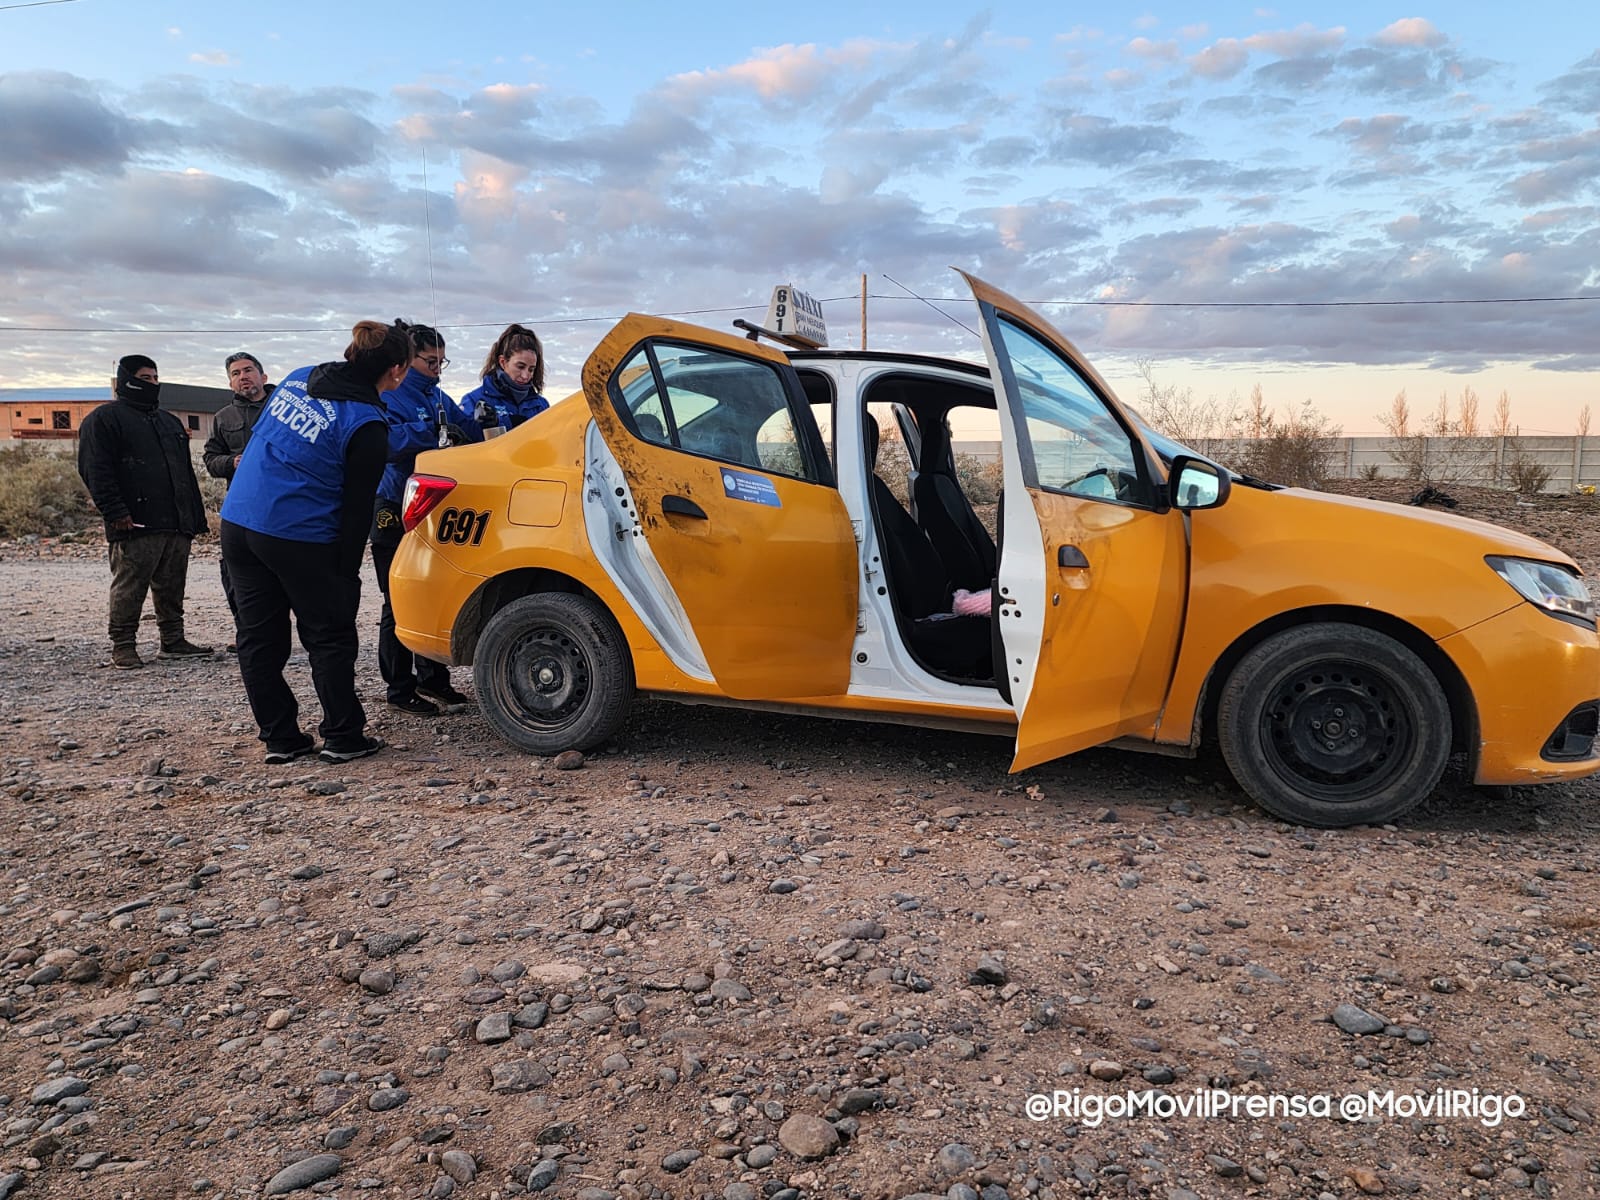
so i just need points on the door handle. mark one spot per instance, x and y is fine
(682, 506)
(1071, 556)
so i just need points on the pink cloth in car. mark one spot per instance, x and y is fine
(971, 604)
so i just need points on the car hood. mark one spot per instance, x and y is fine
(1427, 522)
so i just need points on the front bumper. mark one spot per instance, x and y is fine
(1530, 676)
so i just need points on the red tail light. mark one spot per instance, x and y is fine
(423, 493)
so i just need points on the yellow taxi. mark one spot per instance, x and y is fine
(686, 530)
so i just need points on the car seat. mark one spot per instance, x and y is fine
(946, 516)
(919, 586)
(650, 428)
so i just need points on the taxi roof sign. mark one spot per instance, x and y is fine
(796, 317)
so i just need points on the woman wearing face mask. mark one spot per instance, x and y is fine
(294, 531)
(421, 416)
(513, 378)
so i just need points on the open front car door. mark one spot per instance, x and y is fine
(1094, 563)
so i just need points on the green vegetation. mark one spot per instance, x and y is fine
(40, 493)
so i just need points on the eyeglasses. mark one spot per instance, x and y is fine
(434, 364)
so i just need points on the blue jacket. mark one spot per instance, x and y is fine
(508, 411)
(291, 477)
(412, 411)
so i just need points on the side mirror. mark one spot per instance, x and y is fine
(1195, 483)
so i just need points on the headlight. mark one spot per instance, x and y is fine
(1556, 589)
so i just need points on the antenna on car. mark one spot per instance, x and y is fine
(793, 318)
(427, 224)
(930, 304)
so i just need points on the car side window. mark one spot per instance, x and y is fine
(1074, 444)
(722, 406)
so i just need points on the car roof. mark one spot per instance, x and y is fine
(898, 358)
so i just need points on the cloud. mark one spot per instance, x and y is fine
(1411, 31)
(1577, 90)
(1383, 135)
(1105, 142)
(214, 58)
(52, 123)
(1155, 51)
(1222, 59)
(788, 72)
(300, 135)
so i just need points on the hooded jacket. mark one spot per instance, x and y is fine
(412, 412)
(509, 412)
(230, 432)
(134, 459)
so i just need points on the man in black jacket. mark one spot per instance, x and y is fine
(230, 431)
(134, 459)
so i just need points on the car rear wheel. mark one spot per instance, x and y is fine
(1334, 724)
(553, 673)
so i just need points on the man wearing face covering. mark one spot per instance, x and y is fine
(134, 459)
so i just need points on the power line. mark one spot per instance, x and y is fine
(686, 312)
(35, 4)
(731, 308)
(1265, 303)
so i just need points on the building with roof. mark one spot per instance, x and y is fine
(34, 414)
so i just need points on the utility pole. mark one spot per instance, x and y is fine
(863, 310)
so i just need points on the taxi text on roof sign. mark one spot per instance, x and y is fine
(796, 315)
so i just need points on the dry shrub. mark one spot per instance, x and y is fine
(1296, 449)
(1526, 476)
(980, 480)
(40, 493)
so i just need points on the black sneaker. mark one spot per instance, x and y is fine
(444, 695)
(185, 649)
(415, 705)
(305, 748)
(355, 750)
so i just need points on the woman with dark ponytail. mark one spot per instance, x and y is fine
(513, 381)
(294, 530)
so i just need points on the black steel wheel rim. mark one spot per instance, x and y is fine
(1337, 730)
(548, 677)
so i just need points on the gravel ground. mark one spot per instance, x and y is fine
(740, 956)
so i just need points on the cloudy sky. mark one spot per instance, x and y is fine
(1189, 186)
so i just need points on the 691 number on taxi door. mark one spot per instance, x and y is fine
(462, 526)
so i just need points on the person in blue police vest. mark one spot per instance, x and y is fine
(421, 416)
(294, 530)
(513, 380)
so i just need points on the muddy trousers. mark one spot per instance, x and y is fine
(274, 579)
(403, 672)
(153, 563)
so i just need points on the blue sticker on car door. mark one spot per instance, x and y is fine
(752, 489)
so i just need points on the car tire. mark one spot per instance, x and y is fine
(1334, 724)
(553, 673)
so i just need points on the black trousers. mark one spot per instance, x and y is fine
(227, 591)
(272, 579)
(402, 671)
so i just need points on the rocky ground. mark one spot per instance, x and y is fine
(737, 956)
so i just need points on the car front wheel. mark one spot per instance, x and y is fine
(553, 673)
(1334, 724)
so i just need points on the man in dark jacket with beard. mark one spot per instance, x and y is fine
(134, 459)
(230, 432)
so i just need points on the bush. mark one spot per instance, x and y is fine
(1296, 449)
(980, 480)
(1370, 472)
(40, 493)
(1526, 476)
